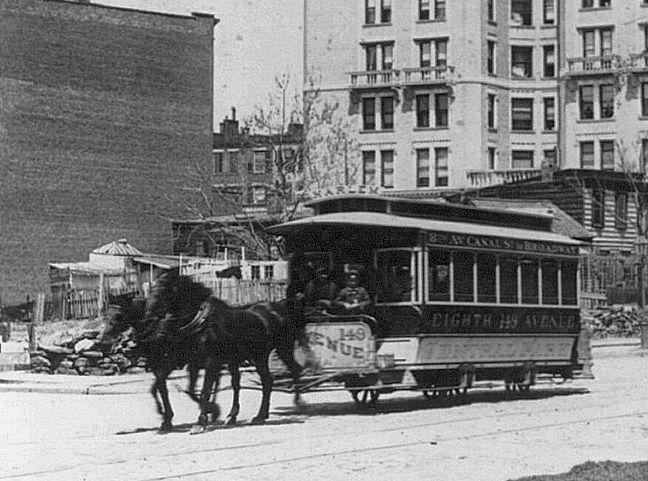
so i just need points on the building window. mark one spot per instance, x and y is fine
(441, 52)
(371, 57)
(368, 167)
(492, 158)
(598, 208)
(490, 10)
(219, 164)
(521, 62)
(645, 32)
(522, 12)
(621, 211)
(549, 113)
(370, 11)
(425, 54)
(369, 113)
(387, 168)
(607, 154)
(423, 110)
(387, 56)
(550, 156)
(422, 168)
(233, 158)
(441, 110)
(549, 12)
(260, 161)
(644, 99)
(601, 3)
(441, 166)
(522, 159)
(440, 10)
(522, 114)
(492, 118)
(255, 195)
(587, 155)
(387, 113)
(549, 65)
(589, 47)
(385, 11)
(491, 64)
(644, 155)
(268, 272)
(606, 100)
(424, 10)
(606, 42)
(586, 100)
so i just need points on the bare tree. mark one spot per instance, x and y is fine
(309, 148)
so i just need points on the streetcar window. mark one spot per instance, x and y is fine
(438, 275)
(397, 274)
(569, 270)
(529, 281)
(550, 282)
(463, 263)
(508, 280)
(486, 275)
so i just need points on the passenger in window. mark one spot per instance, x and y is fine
(320, 291)
(353, 298)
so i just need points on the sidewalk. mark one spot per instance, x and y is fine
(25, 381)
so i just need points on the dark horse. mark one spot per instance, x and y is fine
(127, 313)
(183, 312)
(182, 324)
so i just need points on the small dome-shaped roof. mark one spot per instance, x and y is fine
(119, 247)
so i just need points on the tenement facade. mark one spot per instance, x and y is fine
(103, 112)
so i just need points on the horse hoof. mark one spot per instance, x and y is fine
(198, 429)
(257, 421)
(230, 421)
(214, 410)
(166, 427)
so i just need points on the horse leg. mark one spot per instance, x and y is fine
(212, 375)
(287, 356)
(235, 375)
(161, 385)
(266, 382)
(193, 369)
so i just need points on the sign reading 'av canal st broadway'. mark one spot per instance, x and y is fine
(501, 244)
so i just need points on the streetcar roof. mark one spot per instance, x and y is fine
(379, 219)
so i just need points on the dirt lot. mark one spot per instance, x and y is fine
(494, 438)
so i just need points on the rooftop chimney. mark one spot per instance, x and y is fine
(233, 113)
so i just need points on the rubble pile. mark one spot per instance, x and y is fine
(81, 353)
(613, 321)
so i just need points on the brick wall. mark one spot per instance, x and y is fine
(102, 112)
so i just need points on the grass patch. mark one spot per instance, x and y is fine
(599, 471)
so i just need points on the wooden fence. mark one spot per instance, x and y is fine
(238, 293)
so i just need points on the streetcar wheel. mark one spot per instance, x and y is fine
(366, 397)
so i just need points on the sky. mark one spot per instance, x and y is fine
(254, 42)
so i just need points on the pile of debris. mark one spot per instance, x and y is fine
(82, 353)
(613, 321)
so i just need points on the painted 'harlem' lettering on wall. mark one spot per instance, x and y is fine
(501, 243)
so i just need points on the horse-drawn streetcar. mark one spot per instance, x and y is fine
(459, 296)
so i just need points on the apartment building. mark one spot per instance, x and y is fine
(605, 86)
(442, 93)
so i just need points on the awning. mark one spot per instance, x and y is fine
(377, 219)
(161, 262)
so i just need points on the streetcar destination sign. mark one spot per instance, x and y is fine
(501, 243)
